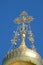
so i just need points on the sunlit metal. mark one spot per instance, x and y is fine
(23, 55)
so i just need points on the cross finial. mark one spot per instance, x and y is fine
(23, 19)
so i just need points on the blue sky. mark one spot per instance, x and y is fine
(9, 10)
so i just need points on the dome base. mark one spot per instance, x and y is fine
(21, 63)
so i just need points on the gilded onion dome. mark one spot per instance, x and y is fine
(23, 55)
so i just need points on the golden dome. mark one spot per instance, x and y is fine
(22, 55)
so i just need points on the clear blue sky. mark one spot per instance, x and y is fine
(10, 9)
